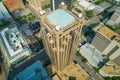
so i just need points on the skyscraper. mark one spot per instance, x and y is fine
(55, 4)
(61, 32)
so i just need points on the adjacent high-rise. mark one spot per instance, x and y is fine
(61, 31)
(55, 4)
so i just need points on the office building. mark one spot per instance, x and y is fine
(110, 69)
(61, 31)
(73, 72)
(115, 19)
(55, 4)
(107, 42)
(93, 55)
(14, 5)
(4, 14)
(33, 72)
(13, 45)
(38, 4)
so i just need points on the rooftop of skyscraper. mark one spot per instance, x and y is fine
(60, 18)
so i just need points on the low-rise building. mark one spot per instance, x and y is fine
(35, 27)
(13, 45)
(107, 42)
(85, 5)
(33, 72)
(73, 72)
(14, 5)
(93, 55)
(4, 14)
(110, 69)
(115, 19)
(117, 1)
(33, 42)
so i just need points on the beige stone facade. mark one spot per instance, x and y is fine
(61, 45)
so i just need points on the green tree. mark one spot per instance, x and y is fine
(97, 70)
(99, 2)
(112, 78)
(89, 13)
(41, 43)
(78, 54)
(31, 18)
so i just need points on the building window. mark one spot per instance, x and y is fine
(49, 38)
(60, 35)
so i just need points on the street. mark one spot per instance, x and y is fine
(88, 69)
(42, 56)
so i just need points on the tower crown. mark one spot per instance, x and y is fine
(60, 18)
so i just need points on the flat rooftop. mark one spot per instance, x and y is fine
(13, 40)
(34, 72)
(3, 12)
(60, 18)
(109, 33)
(111, 68)
(93, 56)
(86, 5)
(76, 71)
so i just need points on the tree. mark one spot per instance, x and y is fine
(97, 70)
(78, 54)
(31, 18)
(112, 78)
(41, 43)
(89, 13)
(99, 2)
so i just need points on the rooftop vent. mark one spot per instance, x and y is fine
(14, 41)
(11, 35)
(17, 47)
(38, 71)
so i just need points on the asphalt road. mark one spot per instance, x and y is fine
(42, 56)
(88, 69)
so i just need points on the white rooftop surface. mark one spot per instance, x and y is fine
(60, 18)
(92, 7)
(86, 4)
(12, 41)
(3, 12)
(93, 55)
(30, 73)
